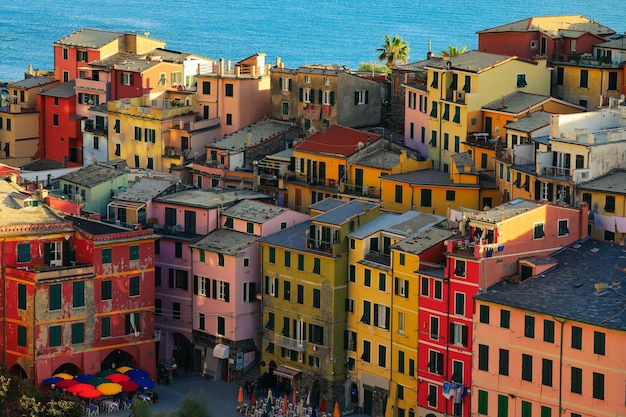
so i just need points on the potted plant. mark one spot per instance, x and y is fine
(574, 57)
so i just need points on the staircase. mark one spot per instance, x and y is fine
(251, 374)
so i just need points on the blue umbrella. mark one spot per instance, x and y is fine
(314, 412)
(52, 380)
(84, 378)
(137, 373)
(145, 383)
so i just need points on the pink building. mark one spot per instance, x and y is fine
(226, 272)
(183, 218)
(552, 343)
(501, 243)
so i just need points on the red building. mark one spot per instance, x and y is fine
(78, 295)
(547, 37)
(503, 243)
(60, 136)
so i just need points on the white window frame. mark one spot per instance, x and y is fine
(517, 78)
(326, 81)
(573, 45)
(382, 316)
(204, 286)
(126, 78)
(402, 287)
(412, 99)
(220, 288)
(558, 227)
(534, 45)
(350, 303)
(458, 334)
(306, 96)
(544, 230)
(307, 79)
(285, 84)
(361, 99)
(431, 334)
(272, 286)
(401, 322)
(543, 189)
(326, 98)
(246, 292)
(464, 303)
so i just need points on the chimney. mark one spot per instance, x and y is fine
(228, 65)
(278, 62)
(220, 69)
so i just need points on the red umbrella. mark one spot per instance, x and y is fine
(129, 386)
(323, 405)
(94, 393)
(253, 399)
(285, 404)
(117, 378)
(75, 389)
(66, 383)
(293, 396)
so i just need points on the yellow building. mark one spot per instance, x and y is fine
(588, 82)
(460, 86)
(304, 291)
(156, 132)
(433, 191)
(381, 340)
(19, 120)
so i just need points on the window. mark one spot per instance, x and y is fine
(503, 367)
(435, 362)
(450, 195)
(459, 268)
(316, 334)
(366, 317)
(272, 255)
(229, 119)
(134, 252)
(55, 296)
(434, 327)
(221, 325)
(270, 321)
(365, 355)
(78, 333)
(54, 337)
(300, 262)
(433, 110)
(483, 357)
(563, 229)
(459, 303)
(446, 112)
(527, 367)
(23, 252)
(577, 380)
(546, 372)
(106, 289)
(158, 307)
(503, 405)
(21, 336)
(78, 294)
(285, 108)
(350, 340)
(66, 77)
(545, 411)
(527, 409)
(206, 87)
(584, 78)
(287, 290)
(220, 259)
(382, 281)
(361, 97)
(221, 290)
(367, 279)
(382, 356)
(134, 286)
(300, 294)
(381, 316)
(400, 361)
(599, 343)
(505, 319)
(521, 81)
(538, 232)
(398, 194)
(118, 149)
(401, 323)
(612, 81)
(317, 265)
(401, 287)
(201, 321)
(229, 90)
(432, 395)
(400, 397)
(529, 326)
(577, 337)
(598, 386)
(249, 292)
(402, 259)
(609, 204)
(127, 78)
(21, 296)
(548, 331)
(316, 298)
(484, 314)
(426, 198)
(424, 287)
(483, 402)
(435, 82)
(350, 305)
(438, 289)
(458, 334)
(457, 372)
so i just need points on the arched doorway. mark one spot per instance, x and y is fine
(18, 372)
(68, 368)
(182, 352)
(116, 359)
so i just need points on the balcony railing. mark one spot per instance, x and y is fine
(378, 257)
(289, 343)
(95, 128)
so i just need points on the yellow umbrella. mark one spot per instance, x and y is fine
(240, 395)
(110, 388)
(63, 375)
(336, 412)
(123, 369)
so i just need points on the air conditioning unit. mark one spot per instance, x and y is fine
(460, 96)
(171, 152)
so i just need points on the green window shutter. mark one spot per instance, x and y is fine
(300, 262)
(134, 286)
(320, 96)
(483, 402)
(21, 336)
(134, 252)
(55, 336)
(356, 98)
(503, 405)
(332, 98)
(202, 256)
(106, 327)
(367, 96)
(272, 255)
(316, 265)
(55, 297)
(106, 256)
(106, 290)
(21, 296)
(312, 96)
(301, 94)
(78, 294)
(78, 333)
(23, 252)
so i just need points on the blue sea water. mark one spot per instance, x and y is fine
(345, 32)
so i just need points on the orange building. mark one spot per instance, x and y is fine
(551, 344)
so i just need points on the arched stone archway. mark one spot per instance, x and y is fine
(68, 368)
(118, 358)
(182, 352)
(18, 372)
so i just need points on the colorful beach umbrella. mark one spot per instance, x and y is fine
(137, 373)
(66, 383)
(84, 377)
(93, 393)
(75, 389)
(145, 383)
(129, 386)
(336, 412)
(285, 404)
(253, 399)
(63, 375)
(124, 369)
(97, 380)
(323, 405)
(110, 388)
(107, 372)
(118, 378)
(52, 380)
(314, 412)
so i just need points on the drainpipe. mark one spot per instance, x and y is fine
(447, 370)
(562, 321)
(4, 299)
(193, 318)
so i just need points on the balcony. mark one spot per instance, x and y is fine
(361, 190)
(95, 128)
(92, 85)
(289, 343)
(329, 184)
(320, 245)
(378, 257)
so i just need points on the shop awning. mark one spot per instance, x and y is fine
(221, 351)
(287, 372)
